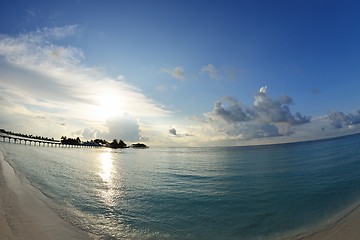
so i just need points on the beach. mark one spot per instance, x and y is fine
(345, 228)
(23, 215)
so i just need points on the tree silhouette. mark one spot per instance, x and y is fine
(116, 144)
(70, 141)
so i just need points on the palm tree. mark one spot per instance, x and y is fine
(114, 143)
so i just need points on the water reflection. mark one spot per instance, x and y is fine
(106, 166)
(108, 191)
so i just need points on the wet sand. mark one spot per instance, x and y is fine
(23, 215)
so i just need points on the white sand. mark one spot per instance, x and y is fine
(25, 215)
(348, 228)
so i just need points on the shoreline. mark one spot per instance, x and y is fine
(23, 215)
(344, 226)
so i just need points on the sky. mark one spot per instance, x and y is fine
(181, 73)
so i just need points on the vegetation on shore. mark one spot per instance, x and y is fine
(70, 141)
(139, 145)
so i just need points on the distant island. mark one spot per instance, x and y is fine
(77, 141)
(114, 144)
(139, 145)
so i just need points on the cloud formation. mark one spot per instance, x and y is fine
(231, 113)
(276, 111)
(122, 127)
(341, 119)
(172, 132)
(266, 118)
(41, 77)
(47, 85)
(211, 71)
(177, 72)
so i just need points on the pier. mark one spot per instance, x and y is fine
(38, 142)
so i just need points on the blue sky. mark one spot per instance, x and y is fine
(181, 72)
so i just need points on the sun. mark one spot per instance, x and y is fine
(109, 105)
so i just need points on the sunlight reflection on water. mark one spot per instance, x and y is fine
(107, 172)
(106, 166)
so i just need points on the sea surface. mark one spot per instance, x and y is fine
(260, 192)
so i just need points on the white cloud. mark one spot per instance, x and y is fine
(211, 71)
(161, 88)
(123, 127)
(120, 78)
(341, 119)
(45, 87)
(263, 89)
(266, 118)
(40, 78)
(267, 121)
(177, 72)
(269, 110)
(59, 32)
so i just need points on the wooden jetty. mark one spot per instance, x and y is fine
(39, 142)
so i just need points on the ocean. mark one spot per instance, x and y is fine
(258, 192)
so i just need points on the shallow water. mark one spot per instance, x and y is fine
(262, 192)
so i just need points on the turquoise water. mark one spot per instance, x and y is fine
(262, 192)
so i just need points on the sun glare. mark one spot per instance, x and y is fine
(109, 105)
